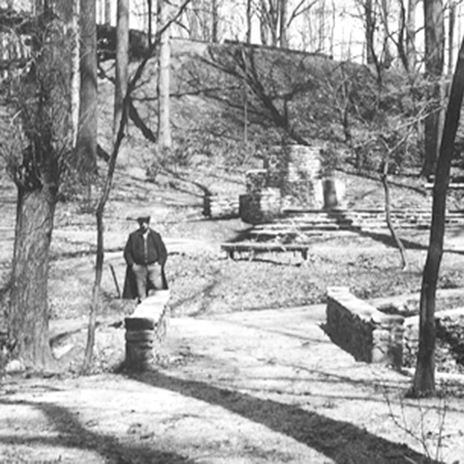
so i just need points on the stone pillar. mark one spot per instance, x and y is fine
(146, 332)
(256, 181)
(333, 193)
(261, 203)
(295, 170)
(216, 206)
(141, 343)
(260, 207)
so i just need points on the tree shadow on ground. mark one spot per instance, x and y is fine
(71, 433)
(340, 441)
(387, 239)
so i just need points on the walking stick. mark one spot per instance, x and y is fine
(115, 281)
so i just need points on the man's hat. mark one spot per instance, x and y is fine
(143, 219)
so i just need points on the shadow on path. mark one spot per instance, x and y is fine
(340, 441)
(74, 435)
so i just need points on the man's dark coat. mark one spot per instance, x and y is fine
(134, 254)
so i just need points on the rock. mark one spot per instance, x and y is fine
(14, 366)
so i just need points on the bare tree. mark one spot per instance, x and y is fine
(370, 26)
(75, 70)
(283, 11)
(88, 121)
(451, 33)
(40, 97)
(164, 129)
(424, 377)
(203, 20)
(122, 61)
(411, 34)
(150, 20)
(270, 18)
(406, 42)
(214, 21)
(318, 32)
(249, 12)
(276, 17)
(434, 61)
(108, 12)
(105, 193)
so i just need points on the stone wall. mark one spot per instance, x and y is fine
(290, 177)
(296, 171)
(256, 180)
(362, 330)
(222, 206)
(450, 335)
(260, 207)
(146, 332)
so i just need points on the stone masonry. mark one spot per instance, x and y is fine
(146, 332)
(362, 330)
(290, 177)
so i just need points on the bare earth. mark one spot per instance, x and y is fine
(244, 387)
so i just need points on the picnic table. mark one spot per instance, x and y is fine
(264, 247)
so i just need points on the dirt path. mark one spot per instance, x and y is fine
(250, 387)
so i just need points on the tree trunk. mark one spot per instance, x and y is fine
(107, 12)
(274, 21)
(268, 22)
(387, 57)
(424, 378)
(69, 13)
(75, 71)
(214, 21)
(370, 31)
(164, 127)
(248, 21)
(434, 54)
(85, 162)
(195, 27)
(28, 312)
(391, 228)
(150, 22)
(411, 35)
(283, 23)
(42, 107)
(122, 61)
(451, 32)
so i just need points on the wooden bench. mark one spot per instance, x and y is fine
(264, 247)
(455, 183)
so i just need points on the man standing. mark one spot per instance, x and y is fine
(145, 255)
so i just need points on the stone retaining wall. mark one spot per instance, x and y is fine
(296, 171)
(372, 219)
(290, 177)
(450, 330)
(146, 332)
(219, 206)
(260, 207)
(362, 330)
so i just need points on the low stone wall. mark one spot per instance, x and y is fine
(363, 331)
(218, 206)
(450, 335)
(256, 180)
(260, 207)
(295, 170)
(146, 332)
